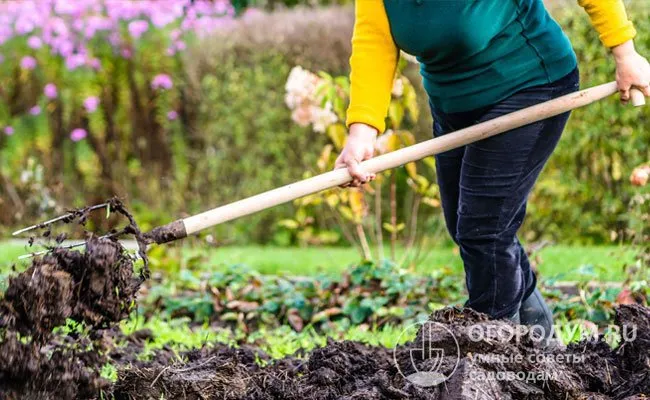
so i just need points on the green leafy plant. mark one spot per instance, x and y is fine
(367, 293)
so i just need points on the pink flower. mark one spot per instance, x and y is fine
(75, 61)
(65, 7)
(35, 110)
(222, 6)
(78, 25)
(91, 103)
(24, 26)
(114, 38)
(175, 34)
(59, 26)
(180, 45)
(78, 134)
(172, 115)
(6, 33)
(96, 23)
(161, 19)
(398, 87)
(50, 91)
(138, 27)
(640, 175)
(302, 115)
(63, 46)
(321, 118)
(126, 53)
(8, 130)
(28, 63)
(161, 81)
(34, 42)
(95, 63)
(251, 13)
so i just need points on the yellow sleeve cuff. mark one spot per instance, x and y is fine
(366, 115)
(610, 20)
(618, 36)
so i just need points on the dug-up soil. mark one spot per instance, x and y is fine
(349, 370)
(478, 358)
(96, 288)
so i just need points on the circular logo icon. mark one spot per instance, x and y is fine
(433, 360)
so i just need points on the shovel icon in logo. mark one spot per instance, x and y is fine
(423, 352)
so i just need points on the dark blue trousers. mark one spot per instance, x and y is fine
(484, 188)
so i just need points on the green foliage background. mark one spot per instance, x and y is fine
(235, 138)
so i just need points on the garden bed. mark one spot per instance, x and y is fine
(98, 287)
(352, 370)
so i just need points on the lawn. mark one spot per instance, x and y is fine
(604, 263)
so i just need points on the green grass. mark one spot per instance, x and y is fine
(180, 335)
(603, 263)
(9, 253)
(564, 262)
(311, 260)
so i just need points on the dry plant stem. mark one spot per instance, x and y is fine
(419, 257)
(11, 191)
(393, 214)
(413, 228)
(378, 223)
(344, 229)
(364, 242)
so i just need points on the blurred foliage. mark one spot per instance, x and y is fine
(370, 294)
(238, 296)
(233, 135)
(279, 4)
(584, 193)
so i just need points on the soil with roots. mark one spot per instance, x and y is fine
(493, 365)
(459, 354)
(96, 288)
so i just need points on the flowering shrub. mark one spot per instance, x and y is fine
(96, 85)
(64, 44)
(301, 99)
(320, 101)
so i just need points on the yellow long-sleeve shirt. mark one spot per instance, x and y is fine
(472, 53)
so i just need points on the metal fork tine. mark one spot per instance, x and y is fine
(68, 246)
(57, 219)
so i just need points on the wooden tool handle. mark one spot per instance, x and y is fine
(190, 225)
(637, 97)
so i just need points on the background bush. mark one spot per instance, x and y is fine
(234, 136)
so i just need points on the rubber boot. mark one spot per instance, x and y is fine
(534, 311)
(515, 318)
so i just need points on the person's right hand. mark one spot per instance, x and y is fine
(632, 70)
(359, 147)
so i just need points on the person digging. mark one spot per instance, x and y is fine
(480, 60)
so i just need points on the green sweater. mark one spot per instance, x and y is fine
(474, 53)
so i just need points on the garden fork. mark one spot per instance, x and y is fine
(187, 226)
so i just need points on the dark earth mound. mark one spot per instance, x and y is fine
(496, 365)
(67, 369)
(96, 288)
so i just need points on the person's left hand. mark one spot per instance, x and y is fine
(632, 70)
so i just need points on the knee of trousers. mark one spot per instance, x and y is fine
(477, 235)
